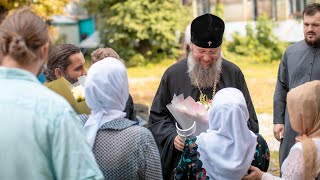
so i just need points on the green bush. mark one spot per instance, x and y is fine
(219, 10)
(259, 44)
(141, 30)
(137, 60)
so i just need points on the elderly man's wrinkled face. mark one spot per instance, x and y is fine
(205, 56)
(76, 68)
(204, 66)
(311, 28)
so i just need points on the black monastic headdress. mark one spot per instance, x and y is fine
(207, 31)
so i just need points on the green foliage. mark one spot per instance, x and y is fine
(142, 30)
(259, 44)
(137, 60)
(44, 8)
(219, 10)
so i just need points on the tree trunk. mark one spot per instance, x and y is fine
(255, 9)
(274, 9)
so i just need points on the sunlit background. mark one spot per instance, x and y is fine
(151, 35)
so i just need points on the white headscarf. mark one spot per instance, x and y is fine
(106, 92)
(227, 148)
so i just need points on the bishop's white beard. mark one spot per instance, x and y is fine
(204, 77)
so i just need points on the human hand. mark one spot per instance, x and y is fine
(278, 131)
(178, 143)
(255, 174)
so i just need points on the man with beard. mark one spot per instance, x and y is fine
(65, 65)
(300, 64)
(203, 73)
(65, 60)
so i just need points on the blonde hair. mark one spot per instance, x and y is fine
(102, 53)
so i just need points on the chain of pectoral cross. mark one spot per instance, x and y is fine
(203, 97)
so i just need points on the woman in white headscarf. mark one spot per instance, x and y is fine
(303, 161)
(122, 149)
(227, 148)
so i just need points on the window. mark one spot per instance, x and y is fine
(296, 7)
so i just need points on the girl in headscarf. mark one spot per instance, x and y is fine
(228, 147)
(102, 53)
(304, 111)
(122, 149)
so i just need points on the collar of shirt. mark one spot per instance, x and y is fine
(16, 73)
(117, 124)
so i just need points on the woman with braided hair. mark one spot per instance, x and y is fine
(40, 137)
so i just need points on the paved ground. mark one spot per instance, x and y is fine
(266, 130)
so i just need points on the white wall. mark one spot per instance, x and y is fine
(71, 31)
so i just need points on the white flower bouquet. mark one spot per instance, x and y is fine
(78, 90)
(187, 112)
(64, 88)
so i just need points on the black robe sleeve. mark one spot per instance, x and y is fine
(163, 128)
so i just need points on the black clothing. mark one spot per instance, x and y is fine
(130, 110)
(177, 81)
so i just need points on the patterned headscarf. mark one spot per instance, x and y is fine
(227, 149)
(304, 110)
(106, 92)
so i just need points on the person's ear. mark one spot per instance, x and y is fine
(44, 50)
(57, 73)
(191, 46)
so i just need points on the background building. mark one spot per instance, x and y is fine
(244, 10)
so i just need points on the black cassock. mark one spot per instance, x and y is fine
(177, 81)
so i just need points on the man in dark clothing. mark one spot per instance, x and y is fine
(203, 73)
(300, 64)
